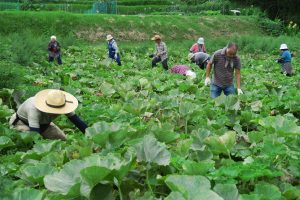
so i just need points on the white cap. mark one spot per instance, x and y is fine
(109, 37)
(283, 46)
(53, 37)
(190, 74)
(201, 40)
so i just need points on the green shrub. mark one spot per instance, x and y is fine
(11, 75)
(274, 28)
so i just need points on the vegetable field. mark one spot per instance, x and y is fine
(156, 135)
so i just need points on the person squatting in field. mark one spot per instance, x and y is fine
(37, 113)
(183, 70)
(161, 53)
(201, 59)
(199, 46)
(113, 50)
(54, 50)
(285, 60)
(225, 62)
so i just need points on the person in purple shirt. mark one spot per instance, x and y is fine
(183, 70)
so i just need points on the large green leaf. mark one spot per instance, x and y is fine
(28, 193)
(192, 187)
(175, 196)
(281, 125)
(78, 177)
(36, 173)
(152, 151)
(268, 191)
(107, 89)
(197, 168)
(221, 144)
(227, 191)
(5, 142)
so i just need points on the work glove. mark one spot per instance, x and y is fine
(240, 91)
(207, 81)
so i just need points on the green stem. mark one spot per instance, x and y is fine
(120, 191)
(149, 186)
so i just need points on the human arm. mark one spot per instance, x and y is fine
(208, 70)
(81, 125)
(238, 78)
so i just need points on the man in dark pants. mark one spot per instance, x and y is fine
(161, 54)
(113, 50)
(54, 50)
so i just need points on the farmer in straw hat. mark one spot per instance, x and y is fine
(183, 70)
(199, 46)
(285, 60)
(54, 50)
(161, 54)
(201, 59)
(37, 113)
(113, 50)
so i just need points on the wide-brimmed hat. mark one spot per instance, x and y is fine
(55, 101)
(109, 37)
(283, 46)
(200, 40)
(190, 56)
(156, 37)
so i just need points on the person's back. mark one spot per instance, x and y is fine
(180, 69)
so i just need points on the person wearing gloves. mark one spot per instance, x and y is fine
(54, 50)
(201, 59)
(37, 113)
(285, 60)
(199, 46)
(225, 62)
(161, 54)
(183, 70)
(113, 50)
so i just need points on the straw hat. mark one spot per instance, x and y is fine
(190, 74)
(55, 101)
(191, 55)
(109, 37)
(156, 37)
(53, 37)
(283, 46)
(201, 40)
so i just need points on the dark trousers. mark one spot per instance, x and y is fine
(164, 63)
(118, 59)
(51, 59)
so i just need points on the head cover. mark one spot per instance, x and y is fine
(283, 47)
(190, 56)
(156, 37)
(109, 37)
(190, 74)
(53, 37)
(201, 40)
(55, 101)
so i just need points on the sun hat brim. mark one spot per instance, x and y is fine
(40, 103)
(109, 38)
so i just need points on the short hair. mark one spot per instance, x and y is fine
(232, 44)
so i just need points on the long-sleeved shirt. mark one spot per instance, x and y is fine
(286, 56)
(197, 48)
(36, 119)
(54, 48)
(180, 69)
(162, 51)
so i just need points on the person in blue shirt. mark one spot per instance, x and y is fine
(113, 50)
(285, 60)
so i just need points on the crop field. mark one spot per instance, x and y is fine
(156, 135)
